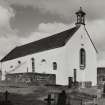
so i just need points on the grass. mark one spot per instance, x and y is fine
(18, 99)
(26, 94)
(24, 97)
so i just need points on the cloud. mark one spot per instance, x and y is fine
(6, 13)
(5, 16)
(65, 8)
(52, 27)
(45, 30)
(97, 32)
(7, 44)
(7, 34)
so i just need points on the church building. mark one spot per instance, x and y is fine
(59, 55)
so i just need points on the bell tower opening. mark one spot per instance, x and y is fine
(80, 17)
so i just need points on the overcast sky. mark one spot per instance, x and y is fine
(23, 21)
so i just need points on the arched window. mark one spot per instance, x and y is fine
(33, 64)
(43, 60)
(82, 58)
(54, 66)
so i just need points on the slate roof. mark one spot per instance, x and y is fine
(51, 42)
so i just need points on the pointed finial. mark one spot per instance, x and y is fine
(80, 8)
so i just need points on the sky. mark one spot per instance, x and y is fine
(24, 21)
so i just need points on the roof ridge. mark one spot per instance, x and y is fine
(91, 39)
(55, 41)
(53, 35)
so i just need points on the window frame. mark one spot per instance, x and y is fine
(82, 58)
(54, 65)
(33, 64)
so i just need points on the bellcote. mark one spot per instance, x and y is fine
(80, 17)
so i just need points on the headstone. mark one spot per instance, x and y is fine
(6, 96)
(70, 82)
(62, 98)
(75, 75)
(49, 99)
(99, 93)
(6, 101)
(81, 102)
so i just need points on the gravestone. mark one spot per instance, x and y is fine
(104, 91)
(72, 98)
(6, 96)
(70, 82)
(6, 101)
(62, 98)
(49, 99)
(75, 75)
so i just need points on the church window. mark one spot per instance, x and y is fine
(43, 60)
(11, 66)
(19, 62)
(82, 44)
(82, 58)
(33, 64)
(54, 66)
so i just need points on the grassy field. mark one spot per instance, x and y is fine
(26, 94)
(18, 99)
(29, 94)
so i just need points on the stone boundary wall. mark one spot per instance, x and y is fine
(37, 78)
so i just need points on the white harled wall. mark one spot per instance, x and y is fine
(55, 55)
(67, 58)
(78, 41)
